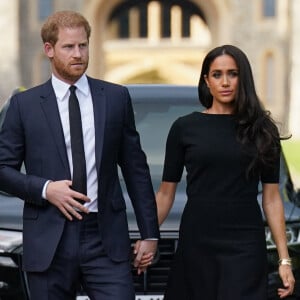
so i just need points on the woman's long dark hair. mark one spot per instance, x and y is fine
(255, 126)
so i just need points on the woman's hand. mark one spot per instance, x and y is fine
(144, 251)
(288, 280)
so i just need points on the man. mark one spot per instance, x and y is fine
(76, 232)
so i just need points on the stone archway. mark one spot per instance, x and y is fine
(217, 14)
(122, 61)
(97, 12)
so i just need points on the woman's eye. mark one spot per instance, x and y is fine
(216, 75)
(233, 74)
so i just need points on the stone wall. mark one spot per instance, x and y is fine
(294, 114)
(9, 48)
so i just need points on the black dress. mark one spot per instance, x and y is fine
(221, 253)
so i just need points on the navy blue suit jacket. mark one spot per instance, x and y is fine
(32, 133)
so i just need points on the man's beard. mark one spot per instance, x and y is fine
(67, 72)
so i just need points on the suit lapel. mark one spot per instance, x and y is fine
(50, 109)
(99, 105)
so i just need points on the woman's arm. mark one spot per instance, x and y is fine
(274, 212)
(164, 199)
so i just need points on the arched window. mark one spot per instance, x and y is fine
(269, 8)
(169, 19)
(45, 8)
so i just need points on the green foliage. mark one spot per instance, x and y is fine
(291, 149)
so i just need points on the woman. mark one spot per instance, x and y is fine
(226, 150)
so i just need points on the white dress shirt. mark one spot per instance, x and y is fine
(83, 93)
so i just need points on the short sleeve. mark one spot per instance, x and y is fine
(174, 155)
(270, 173)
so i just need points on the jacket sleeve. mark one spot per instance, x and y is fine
(12, 153)
(136, 174)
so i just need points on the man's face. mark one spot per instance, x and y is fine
(70, 55)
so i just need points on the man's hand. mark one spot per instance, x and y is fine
(144, 252)
(60, 194)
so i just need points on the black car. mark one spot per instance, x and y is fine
(155, 107)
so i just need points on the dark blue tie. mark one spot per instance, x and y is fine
(78, 157)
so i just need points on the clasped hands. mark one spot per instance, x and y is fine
(144, 252)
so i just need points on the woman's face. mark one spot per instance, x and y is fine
(222, 81)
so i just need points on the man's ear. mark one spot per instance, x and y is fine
(49, 49)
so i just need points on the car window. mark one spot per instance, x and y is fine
(153, 121)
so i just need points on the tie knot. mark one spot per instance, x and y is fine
(72, 89)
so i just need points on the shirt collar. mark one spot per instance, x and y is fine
(61, 88)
